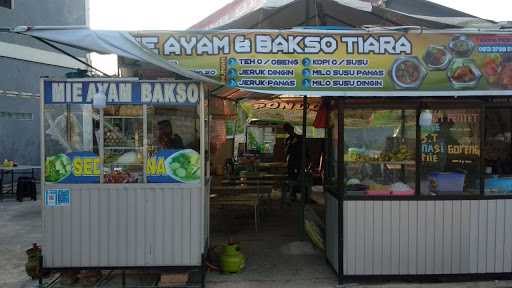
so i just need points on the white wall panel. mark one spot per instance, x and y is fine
(500, 236)
(377, 238)
(331, 231)
(125, 226)
(403, 238)
(456, 238)
(427, 237)
(507, 243)
(368, 237)
(421, 251)
(430, 237)
(386, 237)
(482, 237)
(465, 237)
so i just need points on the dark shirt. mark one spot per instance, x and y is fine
(294, 152)
(173, 142)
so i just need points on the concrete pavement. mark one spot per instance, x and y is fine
(283, 263)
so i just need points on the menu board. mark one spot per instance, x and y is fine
(337, 62)
(450, 151)
(453, 138)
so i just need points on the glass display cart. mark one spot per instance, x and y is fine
(124, 173)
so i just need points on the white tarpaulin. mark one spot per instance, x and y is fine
(106, 42)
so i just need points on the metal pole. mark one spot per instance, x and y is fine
(418, 151)
(40, 278)
(482, 151)
(341, 185)
(302, 174)
(71, 55)
(235, 124)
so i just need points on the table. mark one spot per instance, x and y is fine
(247, 182)
(249, 176)
(271, 167)
(13, 171)
(254, 190)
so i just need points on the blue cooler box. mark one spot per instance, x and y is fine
(447, 182)
(498, 185)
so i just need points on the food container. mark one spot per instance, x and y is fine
(437, 57)
(461, 46)
(403, 193)
(408, 73)
(447, 182)
(464, 74)
(401, 189)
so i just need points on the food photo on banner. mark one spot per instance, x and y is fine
(73, 168)
(174, 166)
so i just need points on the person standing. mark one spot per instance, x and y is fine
(293, 153)
(166, 138)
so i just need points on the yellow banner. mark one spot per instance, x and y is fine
(331, 62)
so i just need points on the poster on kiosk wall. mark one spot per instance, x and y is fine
(174, 166)
(73, 168)
(72, 129)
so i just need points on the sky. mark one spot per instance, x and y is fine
(180, 15)
(497, 10)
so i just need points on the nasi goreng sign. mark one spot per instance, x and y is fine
(119, 92)
(330, 61)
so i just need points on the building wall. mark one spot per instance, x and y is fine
(19, 139)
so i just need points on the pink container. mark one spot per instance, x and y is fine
(403, 193)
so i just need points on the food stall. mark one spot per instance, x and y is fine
(418, 179)
(419, 123)
(125, 184)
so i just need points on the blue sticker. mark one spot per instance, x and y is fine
(232, 73)
(57, 197)
(232, 84)
(232, 62)
(306, 62)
